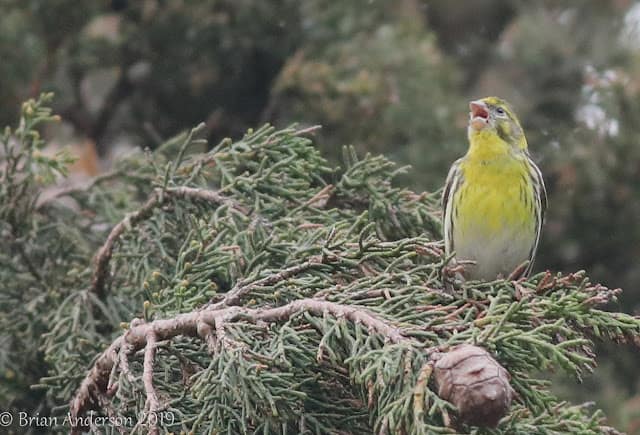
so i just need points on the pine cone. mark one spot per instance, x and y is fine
(468, 377)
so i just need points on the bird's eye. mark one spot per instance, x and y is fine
(500, 111)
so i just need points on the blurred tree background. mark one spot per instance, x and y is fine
(390, 77)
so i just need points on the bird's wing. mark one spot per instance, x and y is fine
(541, 198)
(454, 179)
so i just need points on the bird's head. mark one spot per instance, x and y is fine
(492, 116)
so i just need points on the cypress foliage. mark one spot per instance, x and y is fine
(255, 289)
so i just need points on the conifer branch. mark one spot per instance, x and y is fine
(157, 199)
(200, 324)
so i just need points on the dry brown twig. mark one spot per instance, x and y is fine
(152, 405)
(308, 130)
(155, 200)
(233, 296)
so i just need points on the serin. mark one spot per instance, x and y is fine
(494, 198)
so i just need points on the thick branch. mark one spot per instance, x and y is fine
(157, 198)
(200, 324)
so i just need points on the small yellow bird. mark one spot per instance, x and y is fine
(494, 198)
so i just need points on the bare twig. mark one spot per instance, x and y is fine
(157, 198)
(233, 296)
(152, 405)
(320, 199)
(123, 356)
(103, 401)
(419, 389)
(201, 323)
(520, 271)
(204, 195)
(308, 130)
(101, 260)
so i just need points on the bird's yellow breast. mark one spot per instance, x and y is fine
(495, 196)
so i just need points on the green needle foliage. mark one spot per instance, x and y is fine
(322, 286)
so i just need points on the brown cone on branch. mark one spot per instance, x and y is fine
(469, 378)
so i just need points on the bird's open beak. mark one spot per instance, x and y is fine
(478, 114)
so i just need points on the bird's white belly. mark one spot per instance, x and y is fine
(494, 253)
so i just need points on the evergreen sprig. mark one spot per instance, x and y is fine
(253, 288)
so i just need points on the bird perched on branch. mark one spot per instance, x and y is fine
(494, 198)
